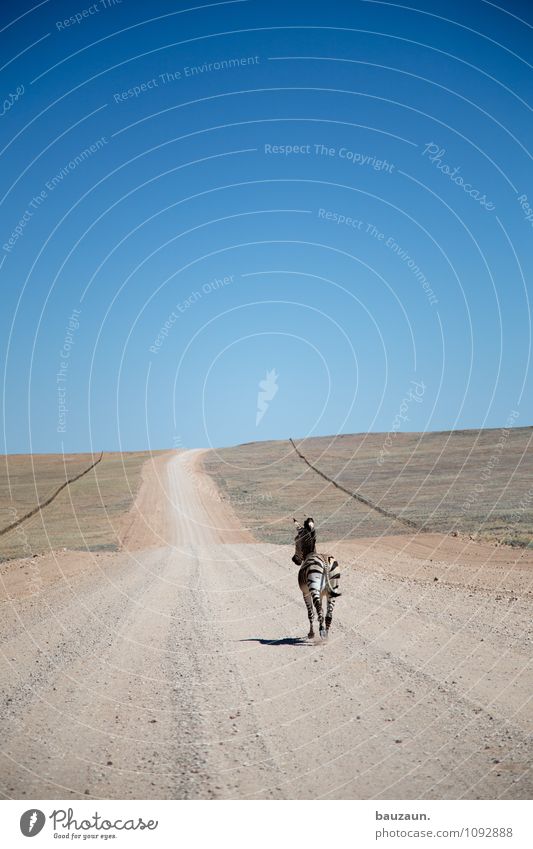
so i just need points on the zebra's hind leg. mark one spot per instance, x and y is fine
(317, 601)
(329, 613)
(311, 613)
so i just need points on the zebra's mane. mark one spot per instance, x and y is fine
(308, 537)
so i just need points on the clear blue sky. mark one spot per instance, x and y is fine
(335, 194)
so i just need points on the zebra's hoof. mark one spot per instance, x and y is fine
(323, 633)
(310, 635)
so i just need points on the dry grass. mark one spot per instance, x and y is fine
(88, 515)
(475, 482)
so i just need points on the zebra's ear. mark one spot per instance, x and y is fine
(309, 524)
(296, 522)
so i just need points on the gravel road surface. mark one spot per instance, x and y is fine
(181, 669)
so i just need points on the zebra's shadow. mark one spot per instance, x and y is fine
(284, 641)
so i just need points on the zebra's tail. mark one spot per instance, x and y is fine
(331, 592)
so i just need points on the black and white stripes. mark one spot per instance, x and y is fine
(318, 577)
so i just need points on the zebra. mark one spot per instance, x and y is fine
(318, 576)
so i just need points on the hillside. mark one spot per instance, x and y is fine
(89, 515)
(474, 482)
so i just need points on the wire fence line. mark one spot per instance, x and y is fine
(49, 500)
(361, 498)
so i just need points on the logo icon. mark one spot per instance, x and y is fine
(32, 822)
(267, 389)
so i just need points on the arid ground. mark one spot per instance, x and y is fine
(474, 482)
(92, 515)
(177, 666)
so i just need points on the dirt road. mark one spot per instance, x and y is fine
(178, 670)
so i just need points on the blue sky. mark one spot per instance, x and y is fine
(335, 194)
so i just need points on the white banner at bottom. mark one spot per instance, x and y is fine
(269, 824)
